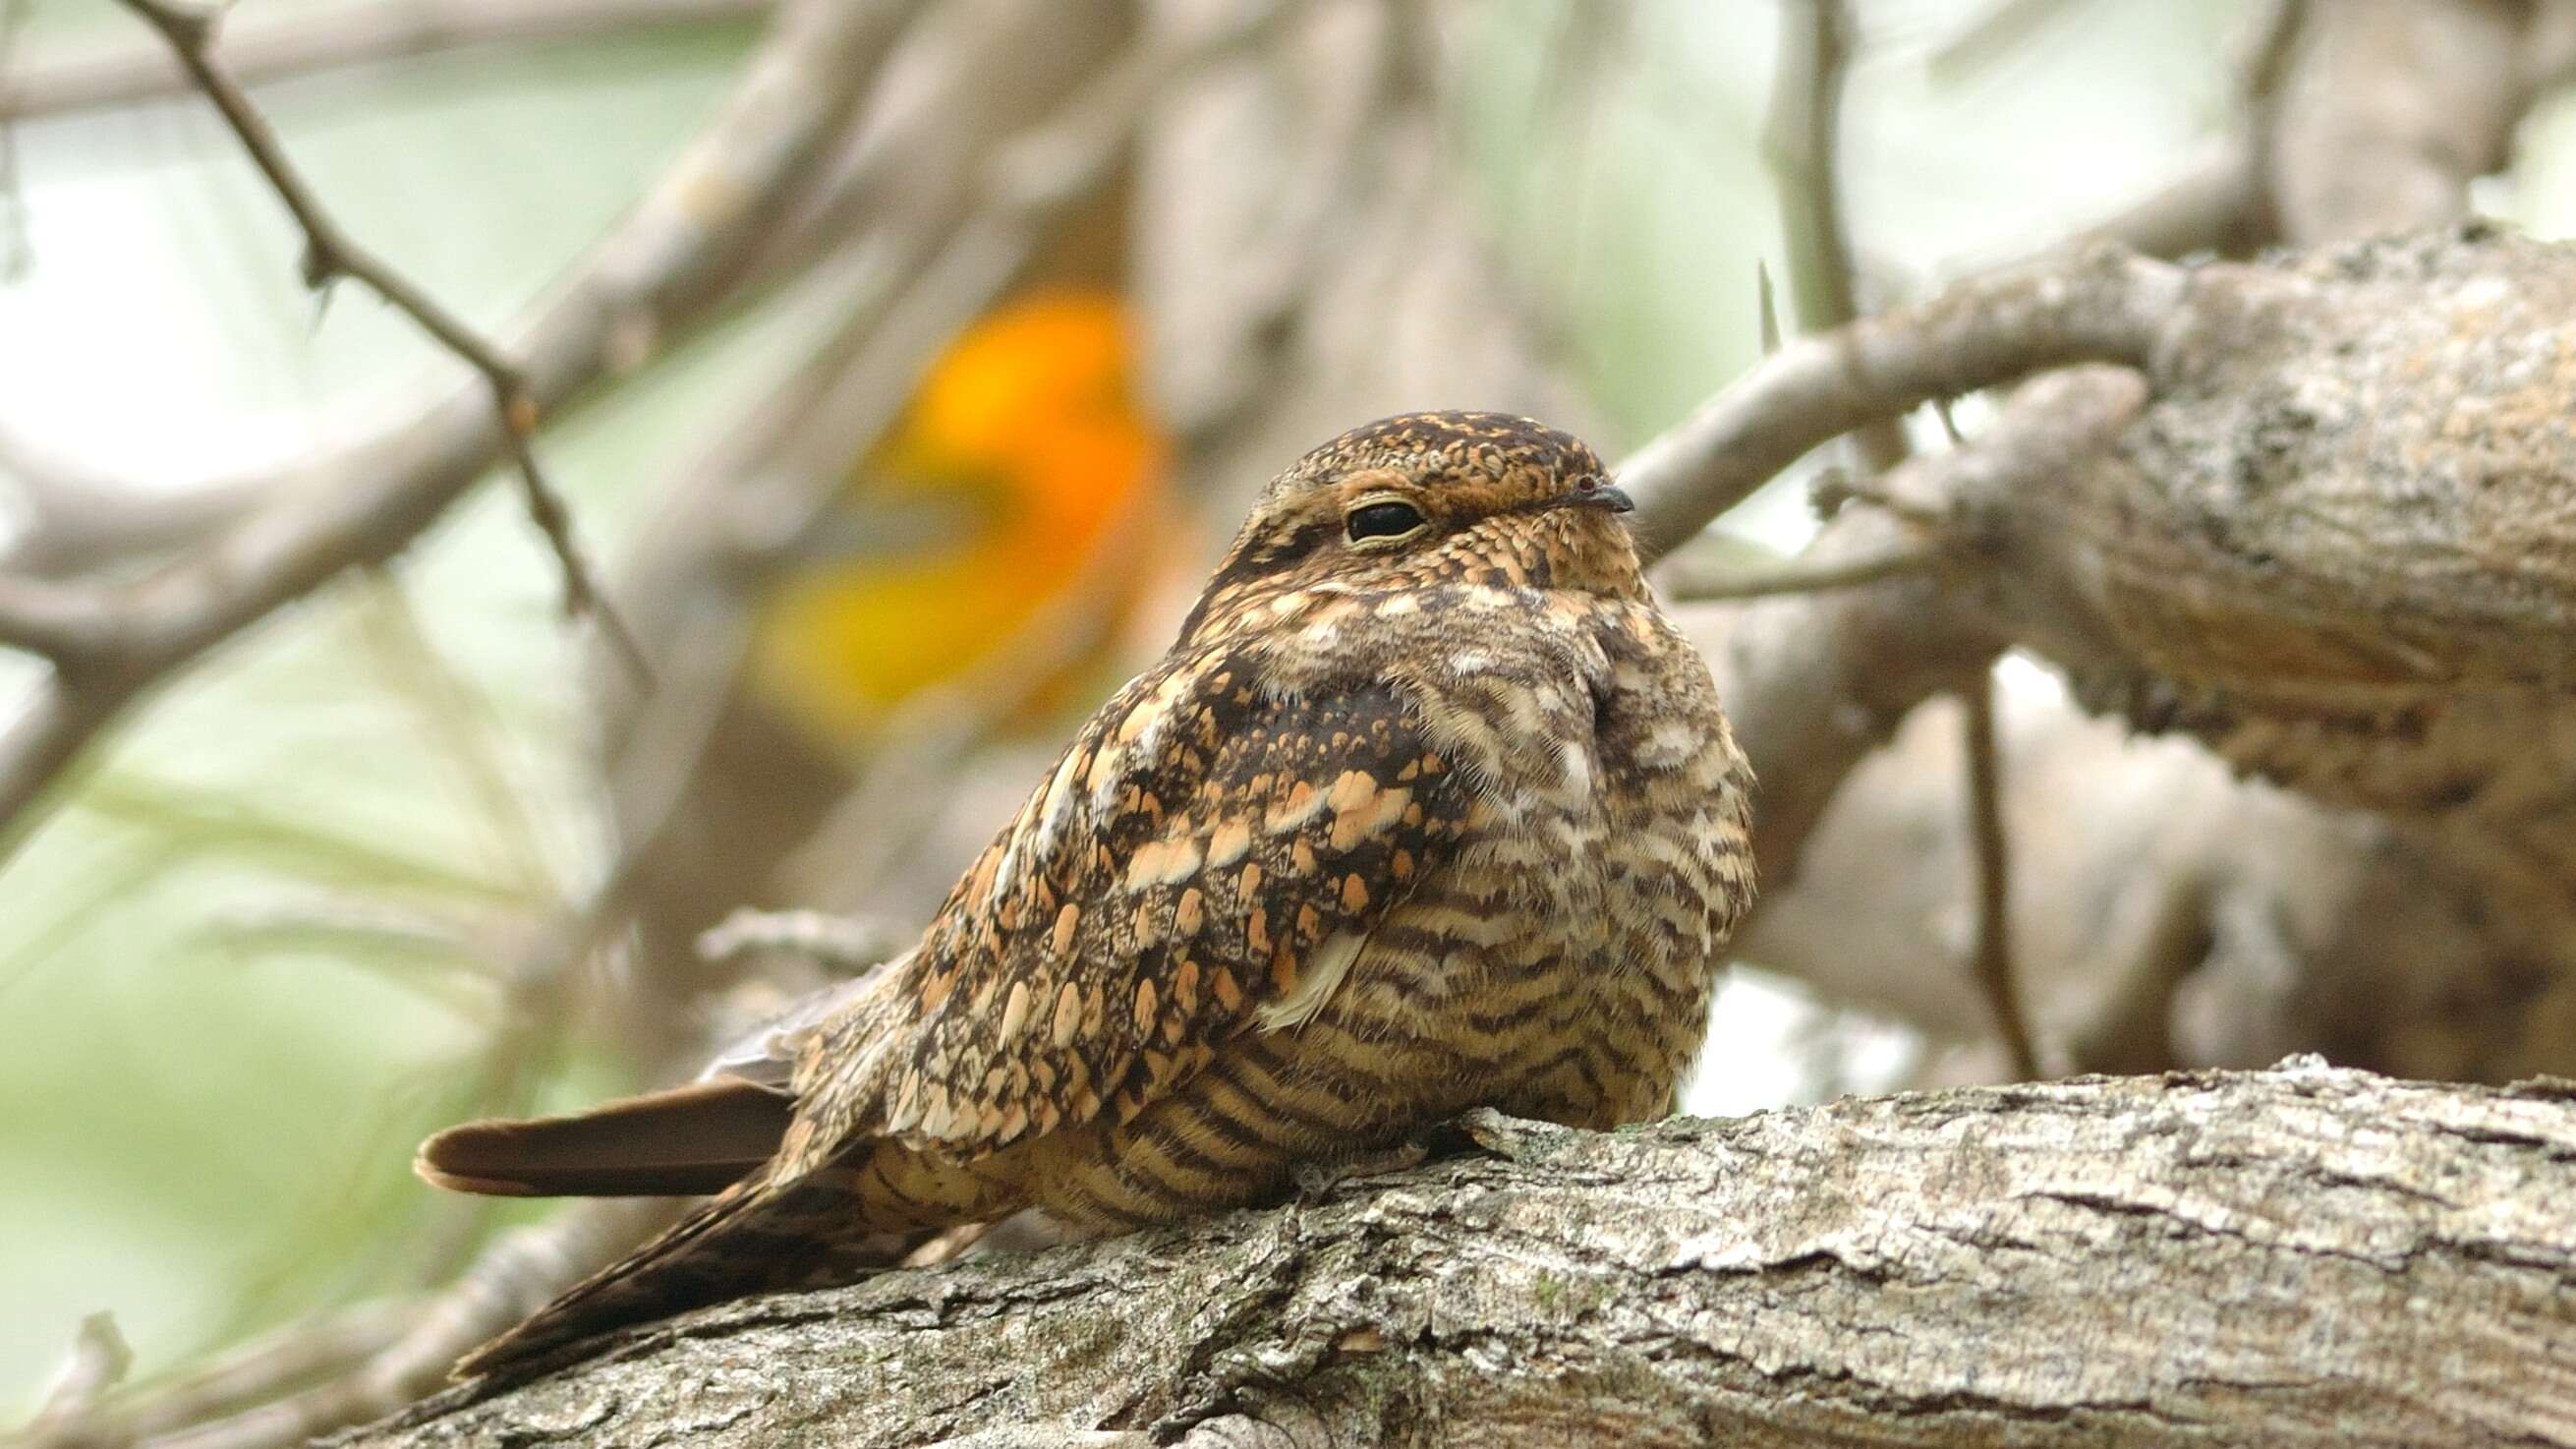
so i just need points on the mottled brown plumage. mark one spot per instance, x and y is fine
(1428, 807)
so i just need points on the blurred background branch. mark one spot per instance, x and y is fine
(670, 253)
(331, 255)
(261, 48)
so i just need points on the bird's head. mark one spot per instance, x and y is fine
(1424, 498)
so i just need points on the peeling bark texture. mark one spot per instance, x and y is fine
(2223, 1258)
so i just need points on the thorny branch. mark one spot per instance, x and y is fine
(330, 254)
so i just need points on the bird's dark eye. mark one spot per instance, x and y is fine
(1384, 519)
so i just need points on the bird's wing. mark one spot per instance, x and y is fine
(1207, 856)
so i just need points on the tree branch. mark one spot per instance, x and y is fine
(330, 253)
(1802, 141)
(1994, 957)
(2300, 1256)
(265, 48)
(2103, 304)
(1813, 683)
(679, 249)
(1690, 578)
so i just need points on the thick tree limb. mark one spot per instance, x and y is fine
(2300, 1256)
(2330, 546)
(2392, 108)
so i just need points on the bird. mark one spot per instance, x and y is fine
(1428, 807)
(1026, 452)
(986, 559)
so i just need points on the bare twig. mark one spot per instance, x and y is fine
(1994, 959)
(261, 1369)
(520, 1270)
(1692, 580)
(98, 1360)
(1814, 682)
(17, 253)
(780, 182)
(1802, 141)
(683, 246)
(330, 253)
(2102, 304)
(263, 48)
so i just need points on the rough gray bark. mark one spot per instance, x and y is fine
(2430, 942)
(2297, 1256)
(2333, 547)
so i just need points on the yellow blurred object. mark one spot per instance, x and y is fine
(1028, 437)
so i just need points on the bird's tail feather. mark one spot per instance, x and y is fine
(700, 1138)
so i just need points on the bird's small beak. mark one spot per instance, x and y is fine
(1591, 494)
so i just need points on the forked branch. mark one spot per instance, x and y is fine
(330, 254)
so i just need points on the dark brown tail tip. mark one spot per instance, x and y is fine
(427, 1170)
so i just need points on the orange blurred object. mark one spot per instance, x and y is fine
(1029, 444)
